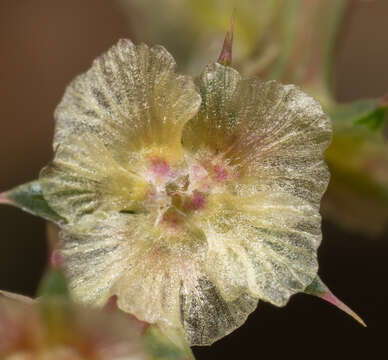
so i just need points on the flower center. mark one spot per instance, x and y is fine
(177, 192)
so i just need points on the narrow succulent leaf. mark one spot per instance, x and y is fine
(166, 344)
(54, 284)
(225, 57)
(29, 198)
(319, 289)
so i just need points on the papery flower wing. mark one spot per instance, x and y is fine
(84, 177)
(156, 276)
(263, 245)
(208, 316)
(96, 253)
(168, 285)
(272, 138)
(264, 130)
(130, 101)
(131, 96)
(216, 123)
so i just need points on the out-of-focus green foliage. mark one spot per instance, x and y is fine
(358, 159)
(194, 30)
(292, 41)
(274, 38)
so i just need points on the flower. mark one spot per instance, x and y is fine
(189, 202)
(58, 330)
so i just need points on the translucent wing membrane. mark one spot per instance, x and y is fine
(216, 123)
(264, 227)
(188, 212)
(96, 253)
(84, 178)
(130, 99)
(131, 102)
(158, 277)
(264, 245)
(269, 132)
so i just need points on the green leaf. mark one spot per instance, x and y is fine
(29, 197)
(374, 120)
(319, 289)
(371, 112)
(166, 344)
(54, 284)
(357, 197)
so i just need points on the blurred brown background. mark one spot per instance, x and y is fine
(45, 43)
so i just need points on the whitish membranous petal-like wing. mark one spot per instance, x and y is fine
(156, 277)
(130, 101)
(189, 219)
(131, 96)
(272, 137)
(96, 254)
(264, 245)
(84, 178)
(268, 131)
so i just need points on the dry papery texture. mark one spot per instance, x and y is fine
(190, 202)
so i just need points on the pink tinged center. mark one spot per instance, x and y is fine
(160, 167)
(198, 201)
(181, 191)
(221, 173)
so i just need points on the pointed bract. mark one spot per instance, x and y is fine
(319, 289)
(225, 57)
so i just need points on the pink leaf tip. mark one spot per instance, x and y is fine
(56, 259)
(332, 299)
(4, 199)
(319, 289)
(225, 57)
